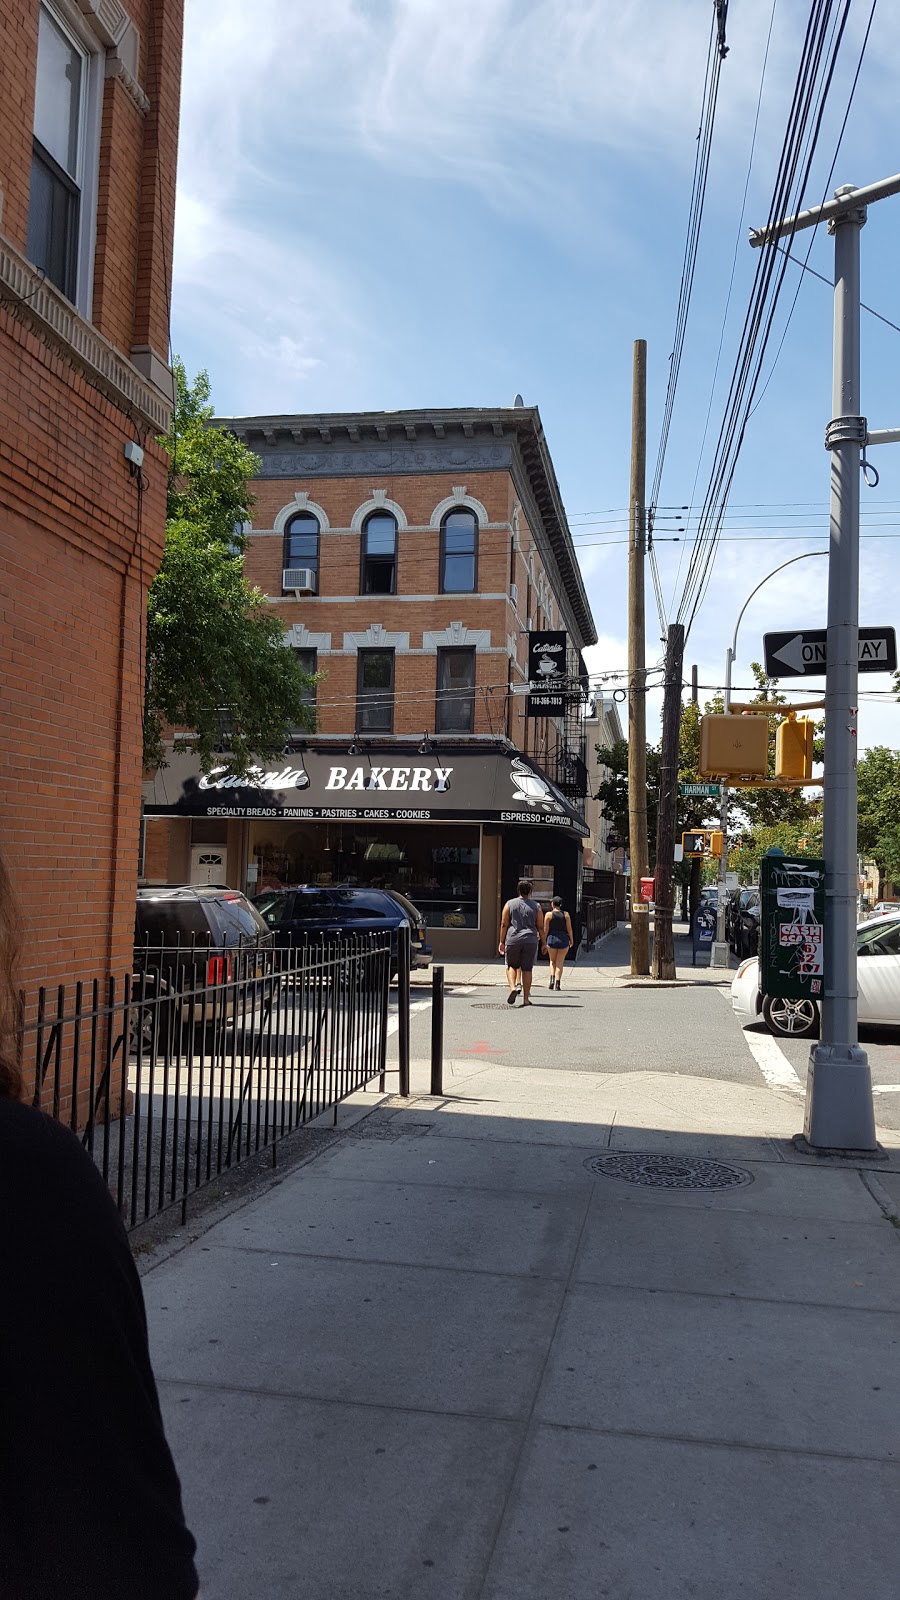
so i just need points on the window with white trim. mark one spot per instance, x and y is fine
(62, 203)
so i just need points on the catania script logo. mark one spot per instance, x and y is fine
(425, 779)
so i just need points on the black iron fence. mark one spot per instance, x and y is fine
(205, 1057)
(597, 918)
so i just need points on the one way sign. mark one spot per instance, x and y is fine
(803, 655)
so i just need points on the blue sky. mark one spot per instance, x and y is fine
(395, 203)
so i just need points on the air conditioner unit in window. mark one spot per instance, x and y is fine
(301, 580)
(514, 593)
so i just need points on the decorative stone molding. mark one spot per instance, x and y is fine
(456, 501)
(457, 634)
(301, 502)
(300, 638)
(369, 459)
(376, 637)
(41, 306)
(378, 502)
(116, 68)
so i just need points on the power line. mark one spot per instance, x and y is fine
(819, 56)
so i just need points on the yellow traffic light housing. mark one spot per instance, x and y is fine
(794, 749)
(716, 842)
(694, 843)
(733, 746)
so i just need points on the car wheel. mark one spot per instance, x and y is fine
(152, 1011)
(791, 1019)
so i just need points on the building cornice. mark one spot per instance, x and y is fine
(33, 300)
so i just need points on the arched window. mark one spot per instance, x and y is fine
(459, 552)
(301, 552)
(378, 563)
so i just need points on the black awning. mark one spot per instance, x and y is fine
(378, 786)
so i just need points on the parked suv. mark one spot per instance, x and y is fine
(193, 939)
(302, 912)
(746, 925)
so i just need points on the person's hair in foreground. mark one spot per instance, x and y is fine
(524, 887)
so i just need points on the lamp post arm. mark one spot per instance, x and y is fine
(806, 556)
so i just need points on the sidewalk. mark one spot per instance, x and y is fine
(608, 965)
(450, 1358)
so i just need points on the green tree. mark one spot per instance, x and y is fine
(217, 663)
(613, 791)
(878, 780)
(794, 838)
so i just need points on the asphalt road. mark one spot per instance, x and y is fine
(691, 1031)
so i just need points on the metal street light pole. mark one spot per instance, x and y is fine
(839, 1107)
(719, 953)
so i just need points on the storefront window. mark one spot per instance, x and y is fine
(435, 867)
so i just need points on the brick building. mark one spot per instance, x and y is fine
(90, 96)
(411, 555)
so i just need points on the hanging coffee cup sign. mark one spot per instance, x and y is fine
(547, 674)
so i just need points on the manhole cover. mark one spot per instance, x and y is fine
(670, 1172)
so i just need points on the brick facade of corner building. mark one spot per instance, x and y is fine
(454, 858)
(81, 373)
(423, 464)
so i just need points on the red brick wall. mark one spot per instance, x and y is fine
(74, 564)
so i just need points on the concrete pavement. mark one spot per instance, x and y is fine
(458, 1356)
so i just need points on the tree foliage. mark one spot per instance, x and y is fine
(878, 780)
(217, 664)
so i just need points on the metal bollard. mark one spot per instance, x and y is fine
(437, 1031)
(403, 1007)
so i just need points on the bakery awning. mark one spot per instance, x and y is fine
(378, 786)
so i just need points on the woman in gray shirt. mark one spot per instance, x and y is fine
(521, 929)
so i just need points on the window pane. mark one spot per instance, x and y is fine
(459, 575)
(52, 225)
(379, 548)
(458, 548)
(307, 660)
(57, 103)
(301, 542)
(376, 690)
(381, 535)
(456, 691)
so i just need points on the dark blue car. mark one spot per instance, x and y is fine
(299, 912)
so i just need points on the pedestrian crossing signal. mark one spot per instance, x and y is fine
(694, 844)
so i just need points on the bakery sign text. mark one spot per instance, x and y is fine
(425, 779)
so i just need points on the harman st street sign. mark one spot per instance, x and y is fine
(803, 655)
(711, 791)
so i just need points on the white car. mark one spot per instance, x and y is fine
(877, 980)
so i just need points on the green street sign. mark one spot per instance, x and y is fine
(709, 791)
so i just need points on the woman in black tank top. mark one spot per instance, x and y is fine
(558, 939)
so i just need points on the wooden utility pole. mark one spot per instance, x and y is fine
(637, 672)
(667, 810)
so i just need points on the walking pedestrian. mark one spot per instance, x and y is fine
(521, 930)
(558, 939)
(91, 1499)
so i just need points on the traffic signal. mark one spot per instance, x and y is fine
(694, 843)
(732, 746)
(716, 842)
(794, 749)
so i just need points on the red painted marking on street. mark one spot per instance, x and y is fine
(480, 1048)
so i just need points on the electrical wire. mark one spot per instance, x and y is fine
(819, 56)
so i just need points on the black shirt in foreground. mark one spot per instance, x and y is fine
(90, 1504)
